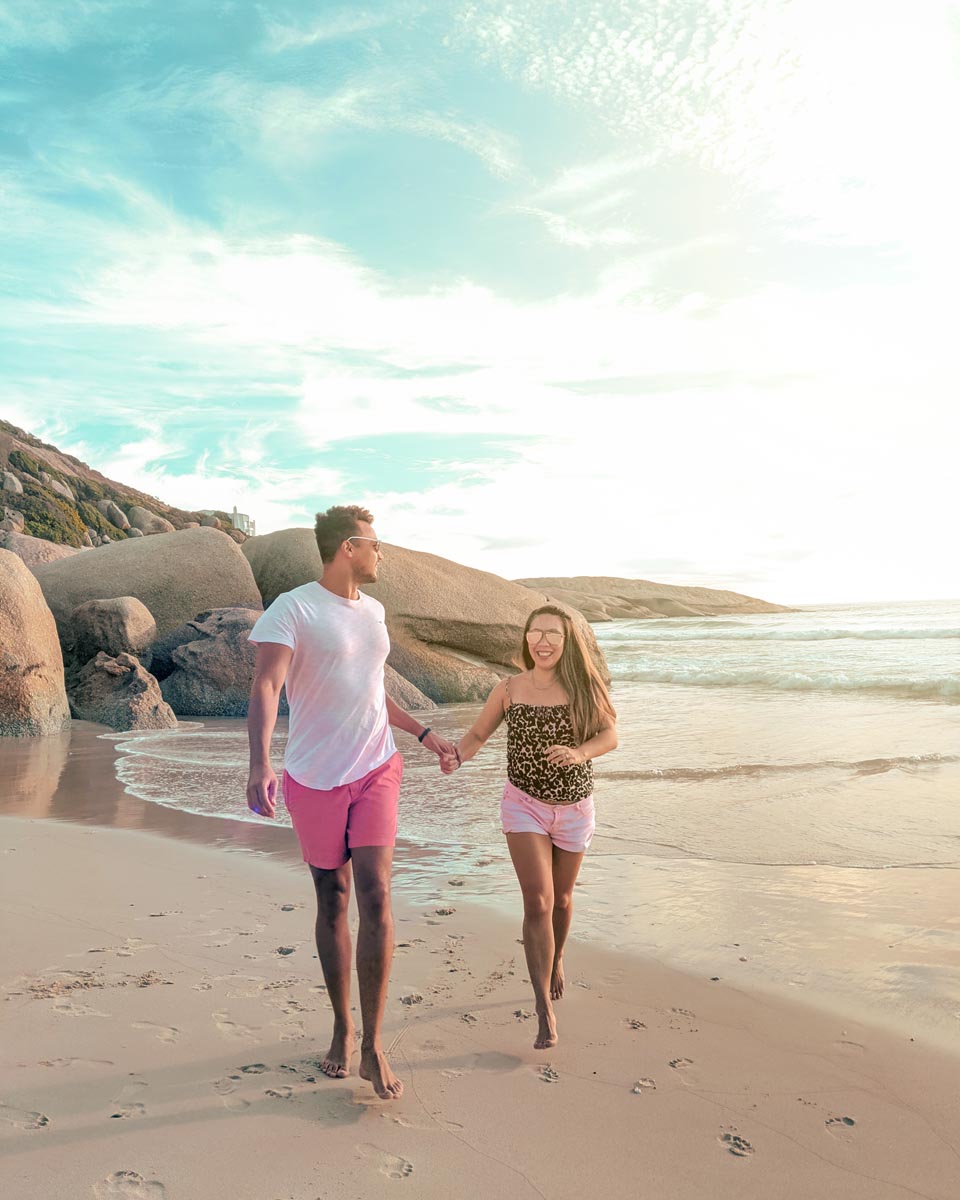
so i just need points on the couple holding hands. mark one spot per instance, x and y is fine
(328, 643)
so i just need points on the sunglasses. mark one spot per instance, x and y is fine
(356, 537)
(554, 636)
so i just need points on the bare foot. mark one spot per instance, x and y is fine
(556, 980)
(337, 1063)
(547, 1032)
(376, 1070)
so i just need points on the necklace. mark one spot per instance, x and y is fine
(542, 689)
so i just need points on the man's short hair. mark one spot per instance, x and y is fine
(337, 524)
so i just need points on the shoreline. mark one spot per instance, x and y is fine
(72, 779)
(166, 1005)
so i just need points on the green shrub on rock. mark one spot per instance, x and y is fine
(47, 515)
(23, 462)
(94, 519)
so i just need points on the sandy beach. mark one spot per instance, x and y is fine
(164, 1014)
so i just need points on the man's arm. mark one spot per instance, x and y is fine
(273, 659)
(400, 719)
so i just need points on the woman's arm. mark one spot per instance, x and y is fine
(601, 743)
(489, 720)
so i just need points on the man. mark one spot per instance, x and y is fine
(342, 774)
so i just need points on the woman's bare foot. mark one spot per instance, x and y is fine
(376, 1070)
(336, 1065)
(556, 980)
(547, 1032)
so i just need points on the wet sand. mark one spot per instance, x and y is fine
(165, 1014)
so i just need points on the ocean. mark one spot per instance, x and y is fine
(783, 810)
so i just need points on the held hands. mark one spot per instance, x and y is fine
(262, 792)
(451, 762)
(564, 756)
(445, 751)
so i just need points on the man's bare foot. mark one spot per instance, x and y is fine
(336, 1065)
(547, 1032)
(376, 1070)
(556, 980)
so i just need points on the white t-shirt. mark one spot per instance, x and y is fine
(339, 730)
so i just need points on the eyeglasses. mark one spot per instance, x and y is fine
(554, 636)
(357, 538)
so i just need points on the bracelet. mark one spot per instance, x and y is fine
(426, 730)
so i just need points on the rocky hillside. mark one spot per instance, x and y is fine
(50, 495)
(605, 598)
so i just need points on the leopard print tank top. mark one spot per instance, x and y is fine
(531, 730)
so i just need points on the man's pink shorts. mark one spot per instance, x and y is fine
(568, 826)
(329, 824)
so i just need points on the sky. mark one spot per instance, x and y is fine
(648, 288)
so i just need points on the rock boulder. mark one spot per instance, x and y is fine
(146, 521)
(122, 625)
(10, 483)
(33, 699)
(33, 551)
(176, 575)
(114, 513)
(212, 664)
(119, 692)
(56, 485)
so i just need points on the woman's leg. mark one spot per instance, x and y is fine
(532, 860)
(566, 867)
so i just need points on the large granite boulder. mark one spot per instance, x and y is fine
(122, 625)
(10, 483)
(454, 630)
(401, 691)
(176, 575)
(58, 486)
(34, 551)
(114, 513)
(604, 598)
(33, 699)
(119, 692)
(146, 521)
(213, 664)
(13, 520)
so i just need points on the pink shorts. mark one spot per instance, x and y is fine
(568, 826)
(329, 824)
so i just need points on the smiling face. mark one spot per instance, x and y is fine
(365, 553)
(545, 640)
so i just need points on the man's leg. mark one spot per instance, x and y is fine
(333, 948)
(371, 875)
(532, 860)
(566, 868)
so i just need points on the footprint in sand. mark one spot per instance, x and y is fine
(21, 1118)
(840, 1127)
(232, 1029)
(390, 1165)
(127, 1104)
(128, 1185)
(734, 1144)
(254, 1068)
(166, 1033)
(283, 1092)
(226, 1089)
(681, 1064)
(549, 1075)
(69, 1062)
(72, 1008)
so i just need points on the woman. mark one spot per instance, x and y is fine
(559, 718)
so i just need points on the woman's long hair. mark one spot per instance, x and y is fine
(590, 704)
